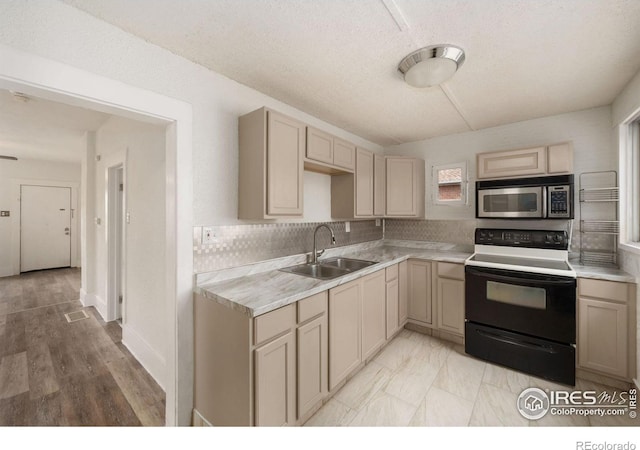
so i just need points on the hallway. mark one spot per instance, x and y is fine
(53, 372)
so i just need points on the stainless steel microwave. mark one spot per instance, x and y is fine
(525, 198)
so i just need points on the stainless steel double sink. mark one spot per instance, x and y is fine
(329, 268)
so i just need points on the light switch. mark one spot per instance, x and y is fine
(4, 214)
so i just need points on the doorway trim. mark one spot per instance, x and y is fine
(116, 244)
(42, 77)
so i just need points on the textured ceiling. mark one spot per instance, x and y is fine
(337, 59)
(43, 129)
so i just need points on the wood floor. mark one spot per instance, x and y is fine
(53, 372)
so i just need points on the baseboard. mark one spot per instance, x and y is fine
(87, 299)
(151, 360)
(101, 305)
(198, 420)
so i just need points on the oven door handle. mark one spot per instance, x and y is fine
(519, 280)
(512, 341)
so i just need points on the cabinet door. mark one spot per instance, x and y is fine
(285, 165)
(275, 382)
(560, 158)
(344, 154)
(393, 323)
(602, 336)
(374, 313)
(451, 305)
(511, 163)
(364, 183)
(401, 186)
(319, 145)
(344, 332)
(312, 364)
(420, 301)
(379, 186)
(403, 293)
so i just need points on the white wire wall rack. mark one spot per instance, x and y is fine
(599, 225)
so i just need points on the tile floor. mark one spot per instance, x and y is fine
(418, 380)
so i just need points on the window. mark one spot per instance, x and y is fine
(629, 206)
(450, 184)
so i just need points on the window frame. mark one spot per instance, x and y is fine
(629, 172)
(464, 184)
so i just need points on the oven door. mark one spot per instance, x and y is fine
(538, 305)
(511, 203)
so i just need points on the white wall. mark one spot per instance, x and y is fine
(63, 33)
(11, 174)
(141, 147)
(590, 131)
(626, 104)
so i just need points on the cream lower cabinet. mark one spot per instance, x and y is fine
(268, 370)
(275, 383)
(392, 301)
(420, 295)
(450, 297)
(606, 338)
(374, 313)
(357, 324)
(403, 293)
(345, 310)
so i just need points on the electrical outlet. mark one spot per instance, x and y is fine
(347, 227)
(208, 236)
(377, 222)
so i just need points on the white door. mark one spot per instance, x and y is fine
(45, 227)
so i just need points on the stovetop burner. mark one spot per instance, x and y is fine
(534, 251)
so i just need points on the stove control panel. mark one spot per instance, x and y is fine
(522, 238)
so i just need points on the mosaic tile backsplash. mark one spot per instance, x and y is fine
(450, 231)
(235, 245)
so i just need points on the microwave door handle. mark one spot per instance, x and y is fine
(519, 280)
(544, 201)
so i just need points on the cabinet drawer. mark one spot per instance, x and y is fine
(450, 270)
(312, 306)
(392, 272)
(273, 323)
(609, 290)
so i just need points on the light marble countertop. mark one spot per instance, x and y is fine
(258, 289)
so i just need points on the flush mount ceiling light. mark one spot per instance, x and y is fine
(431, 66)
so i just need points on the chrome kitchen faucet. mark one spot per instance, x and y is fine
(315, 255)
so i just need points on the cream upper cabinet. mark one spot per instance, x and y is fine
(544, 160)
(319, 145)
(328, 149)
(352, 194)
(373, 313)
(344, 154)
(606, 327)
(511, 163)
(405, 187)
(450, 297)
(364, 183)
(560, 158)
(420, 295)
(379, 185)
(271, 165)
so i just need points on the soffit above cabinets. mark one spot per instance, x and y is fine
(337, 60)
